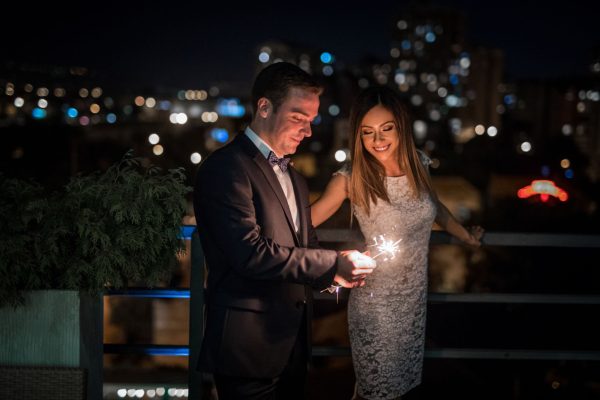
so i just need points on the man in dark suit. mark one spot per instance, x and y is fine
(260, 246)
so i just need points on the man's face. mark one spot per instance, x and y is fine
(290, 124)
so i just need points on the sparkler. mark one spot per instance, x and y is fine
(384, 247)
(334, 288)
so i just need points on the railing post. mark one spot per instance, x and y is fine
(196, 331)
(91, 350)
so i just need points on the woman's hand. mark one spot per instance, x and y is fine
(475, 233)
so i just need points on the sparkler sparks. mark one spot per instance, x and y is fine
(389, 248)
(385, 247)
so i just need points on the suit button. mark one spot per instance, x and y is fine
(300, 303)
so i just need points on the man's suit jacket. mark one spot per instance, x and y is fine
(258, 266)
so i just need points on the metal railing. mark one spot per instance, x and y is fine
(195, 294)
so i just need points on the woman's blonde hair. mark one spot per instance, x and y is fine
(367, 177)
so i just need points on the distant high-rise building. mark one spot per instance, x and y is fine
(451, 85)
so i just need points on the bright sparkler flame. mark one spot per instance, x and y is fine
(387, 247)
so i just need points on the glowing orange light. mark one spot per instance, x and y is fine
(545, 189)
(563, 196)
(525, 192)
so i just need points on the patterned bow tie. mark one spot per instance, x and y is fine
(282, 162)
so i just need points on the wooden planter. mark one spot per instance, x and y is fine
(52, 347)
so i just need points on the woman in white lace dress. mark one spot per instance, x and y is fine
(391, 194)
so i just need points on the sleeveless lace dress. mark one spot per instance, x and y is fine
(386, 317)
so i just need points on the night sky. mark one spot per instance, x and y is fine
(197, 44)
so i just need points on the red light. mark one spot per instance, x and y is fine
(544, 188)
(525, 192)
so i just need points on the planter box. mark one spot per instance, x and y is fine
(37, 383)
(59, 332)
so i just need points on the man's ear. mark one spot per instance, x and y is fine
(265, 107)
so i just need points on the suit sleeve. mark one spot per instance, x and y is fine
(225, 211)
(313, 243)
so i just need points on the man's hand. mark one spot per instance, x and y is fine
(353, 267)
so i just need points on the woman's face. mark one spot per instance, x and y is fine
(379, 134)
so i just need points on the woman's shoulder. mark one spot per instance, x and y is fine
(344, 170)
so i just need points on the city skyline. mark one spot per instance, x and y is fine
(194, 45)
(456, 89)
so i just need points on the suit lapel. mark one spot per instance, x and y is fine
(301, 204)
(270, 176)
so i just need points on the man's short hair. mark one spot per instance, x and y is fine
(275, 81)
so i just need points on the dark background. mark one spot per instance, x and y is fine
(198, 43)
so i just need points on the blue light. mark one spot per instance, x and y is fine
(326, 57)
(154, 350)
(111, 118)
(150, 293)
(317, 120)
(509, 99)
(38, 113)
(167, 351)
(72, 112)
(327, 70)
(430, 37)
(219, 134)
(264, 57)
(454, 79)
(545, 170)
(230, 108)
(187, 231)
(406, 45)
(569, 173)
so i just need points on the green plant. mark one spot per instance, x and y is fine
(108, 229)
(22, 208)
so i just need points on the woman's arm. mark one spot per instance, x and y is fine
(334, 195)
(446, 220)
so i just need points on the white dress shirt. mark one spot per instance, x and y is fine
(283, 177)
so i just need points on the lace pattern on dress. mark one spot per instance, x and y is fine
(386, 317)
